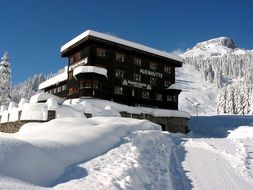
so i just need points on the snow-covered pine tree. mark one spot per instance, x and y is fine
(5, 80)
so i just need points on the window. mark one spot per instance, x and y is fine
(120, 57)
(59, 89)
(169, 98)
(118, 90)
(159, 97)
(55, 90)
(74, 58)
(152, 80)
(64, 87)
(145, 94)
(85, 83)
(175, 98)
(119, 73)
(95, 84)
(101, 52)
(137, 62)
(167, 69)
(137, 77)
(133, 92)
(167, 83)
(153, 66)
(72, 90)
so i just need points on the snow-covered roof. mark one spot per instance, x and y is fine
(111, 38)
(90, 69)
(96, 105)
(54, 80)
(175, 87)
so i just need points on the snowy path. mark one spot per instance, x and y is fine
(215, 163)
(142, 162)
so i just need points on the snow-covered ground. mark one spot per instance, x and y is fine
(195, 90)
(124, 153)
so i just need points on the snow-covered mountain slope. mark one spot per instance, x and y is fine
(228, 67)
(197, 94)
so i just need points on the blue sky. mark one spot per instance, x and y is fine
(32, 31)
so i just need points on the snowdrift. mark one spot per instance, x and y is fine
(40, 152)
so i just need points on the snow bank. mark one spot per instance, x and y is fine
(243, 132)
(98, 107)
(5, 116)
(37, 111)
(43, 97)
(40, 152)
(68, 111)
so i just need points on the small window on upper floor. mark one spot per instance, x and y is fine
(152, 81)
(85, 84)
(167, 69)
(167, 83)
(159, 97)
(120, 57)
(118, 90)
(95, 84)
(101, 52)
(133, 92)
(72, 89)
(153, 66)
(137, 77)
(119, 73)
(169, 98)
(64, 87)
(137, 61)
(175, 98)
(75, 58)
(145, 94)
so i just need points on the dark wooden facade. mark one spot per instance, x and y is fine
(134, 77)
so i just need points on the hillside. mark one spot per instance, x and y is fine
(197, 94)
(230, 68)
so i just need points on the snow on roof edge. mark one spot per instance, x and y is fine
(120, 41)
(90, 69)
(54, 80)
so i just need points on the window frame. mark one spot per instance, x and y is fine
(120, 57)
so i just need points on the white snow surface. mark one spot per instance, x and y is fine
(43, 97)
(117, 40)
(98, 107)
(195, 91)
(90, 69)
(123, 153)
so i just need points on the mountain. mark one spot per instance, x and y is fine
(228, 67)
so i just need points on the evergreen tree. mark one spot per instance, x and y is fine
(5, 80)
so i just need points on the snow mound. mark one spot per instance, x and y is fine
(40, 152)
(242, 132)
